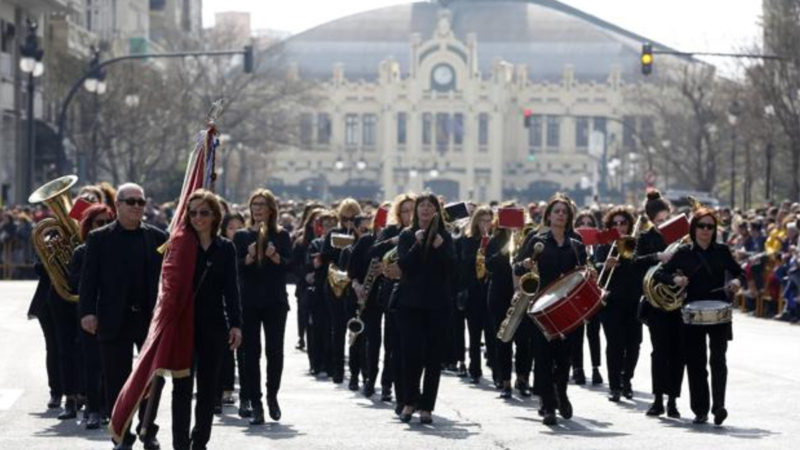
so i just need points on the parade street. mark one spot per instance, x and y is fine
(763, 391)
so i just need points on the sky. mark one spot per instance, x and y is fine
(686, 25)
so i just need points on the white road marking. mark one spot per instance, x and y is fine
(8, 397)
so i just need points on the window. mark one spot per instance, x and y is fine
(306, 129)
(442, 131)
(483, 129)
(535, 132)
(368, 129)
(401, 128)
(648, 131)
(323, 128)
(6, 36)
(582, 133)
(553, 131)
(458, 129)
(351, 129)
(599, 124)
(628, 131)
(426, 128)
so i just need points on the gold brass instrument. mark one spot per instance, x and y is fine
(342, 240)
(623, 248)
(261, 243)
(529, 287)
(665, 297)
(54, 238)
(337, 280)
(480, 259)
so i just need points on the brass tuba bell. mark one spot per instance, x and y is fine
(54, 238)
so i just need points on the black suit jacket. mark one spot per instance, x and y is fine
(104, 280)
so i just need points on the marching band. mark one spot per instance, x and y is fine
(404, 277)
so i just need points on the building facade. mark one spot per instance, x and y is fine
(444, 107)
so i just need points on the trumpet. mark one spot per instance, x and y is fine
(623, 248)
(261, 243)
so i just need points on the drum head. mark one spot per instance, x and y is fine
(558, 290)
(706, 305)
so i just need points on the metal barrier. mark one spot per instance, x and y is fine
(16, 260)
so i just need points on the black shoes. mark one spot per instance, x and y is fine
(218, 409)
(475, 379)
(656, 409)
(274, 408)
(244, 409)
(301, 345)
(257, 415)
(565, 408)
(699, 420)
(70, 410)
(93, 422)
(613, 396)
(386, 394)
(150, 442)
(522, 387)
(596, 377)
(462, 370)
(368, 390)
(550, 419)
(338, 379)
(578, 377)
(720, 414)
(672, 409)
(227, 398)
(353, 386)
(627, 390)
(54, 402)
(506, 392)
(425, 418)
(405, 414)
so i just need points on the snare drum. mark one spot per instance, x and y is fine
(566, 303)
(707, 312)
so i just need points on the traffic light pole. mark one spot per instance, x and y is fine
(247, 52)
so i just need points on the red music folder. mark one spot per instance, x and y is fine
(513, 218)
(78, 208)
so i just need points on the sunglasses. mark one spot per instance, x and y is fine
(706, 226)
(134, 201)
(348, 219)
(100, 222)
(201, 213)
(620, 222)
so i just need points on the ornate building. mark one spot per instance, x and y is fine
(421, 96)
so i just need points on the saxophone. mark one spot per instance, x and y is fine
(522, 299)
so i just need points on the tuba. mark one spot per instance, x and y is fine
(529, 287)
(54, 238)
(337, 280)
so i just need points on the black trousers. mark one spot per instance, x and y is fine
(231, 361)
(523, 359)
(456, 341)
(697, 358)
(623, 338)
(116, 356)
(423, 334)
(667, 359)
(210, 347)
(319, 352)
(551, 369)
(93, 374)
(303, 310)
(272, 319)
(591, 331)
(478, 323)
(65, 320)
(337, 317)
(374, 318)
(356, 353)
(47, 324)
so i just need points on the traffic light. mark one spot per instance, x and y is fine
(526, 113)
(248, 59)
(647, 59)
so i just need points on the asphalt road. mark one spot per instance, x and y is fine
(763, 396)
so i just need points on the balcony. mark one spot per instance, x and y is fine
(70, 38)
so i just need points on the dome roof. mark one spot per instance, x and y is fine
(544, 34)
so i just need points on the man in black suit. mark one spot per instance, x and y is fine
(118, 290)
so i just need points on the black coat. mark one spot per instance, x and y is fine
(217, 303)
(263, 285)
(426, 282)
(103, 281)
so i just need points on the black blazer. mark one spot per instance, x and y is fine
(103, 280)
(216, 287)
(426, 282)
(38, 305)
(265, 285)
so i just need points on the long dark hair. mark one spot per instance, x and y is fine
(431, 197)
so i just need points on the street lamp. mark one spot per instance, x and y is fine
(733, 117)
(361, 165)
(31, 63)
(769, 111)
(96, 81)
